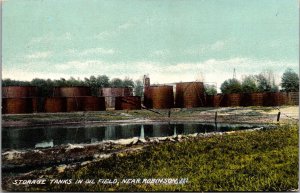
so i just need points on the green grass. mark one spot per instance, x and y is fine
(265, 160)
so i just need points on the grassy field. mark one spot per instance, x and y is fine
(265, 160)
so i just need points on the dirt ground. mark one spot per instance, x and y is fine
(225, 114)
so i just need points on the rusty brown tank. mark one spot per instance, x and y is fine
(18, 105)
(213, 100)
(189, 95)
(128, 103)
(115, 92)
(19, 91)
(230, 100)
(88, 103)
(159, 97)
(35, 105)
(111, 93)
(54, 104)
(293, 98)
(75, 91)
(274, 99)
(252, 99)
(92, 103)
(74, 104)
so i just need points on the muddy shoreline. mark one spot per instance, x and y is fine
(19, 162)
(224, 115)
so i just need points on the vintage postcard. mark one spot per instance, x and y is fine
(150, 95)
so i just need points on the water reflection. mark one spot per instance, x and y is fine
(44, 144)
(52, 136)
(142, 136)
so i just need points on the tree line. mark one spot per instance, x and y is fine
(263, 82)
(45, 87)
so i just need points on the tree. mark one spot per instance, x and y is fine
(9, 82)
(290, 81)
(210, 89)
(127, 82)
(262, 83)
(266, 82)
(249, 84)
(96, 83)
(116, 82)
(231, 86)
(44, 87)
(60, 82)
(138, 88)
(103, 81)
(74, 82)
(92, 83)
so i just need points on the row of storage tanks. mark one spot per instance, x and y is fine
(191, 95)
(24, 99)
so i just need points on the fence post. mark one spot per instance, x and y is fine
(216, 116)
(278, 116)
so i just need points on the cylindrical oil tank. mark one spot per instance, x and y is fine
(147, 97)
(54, 104)
(273, 99)
(18, 105)
(213, 100)
(111, 93)
(293, 98)
(75, 91)
(115, 92)
(189, 95)
(159, 97)
(19, 91)
(284, 98)
(92, 103)
(35, 104)
(252, 99)
(231, 100)
(128, 103)
(74, 104)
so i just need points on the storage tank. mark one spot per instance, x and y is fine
(293, 98)
(111, 93)
(159, 97)
(18, 105)
(189, 95)
(284, 98)
(75, 91)
(35, 104)
(54, 104)
(230, 100)
(92, 103)
(128, 103)
(252, 99)
(74, 104)
(19, 91)
(213, 100)
(274, 99)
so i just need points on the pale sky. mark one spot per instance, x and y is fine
(171, 40)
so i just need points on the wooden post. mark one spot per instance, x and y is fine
(278, 116)
(216, 116)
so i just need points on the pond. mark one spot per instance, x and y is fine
(43, 137)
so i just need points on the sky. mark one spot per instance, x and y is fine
(170, 40)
